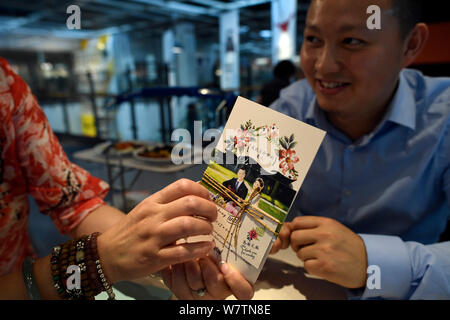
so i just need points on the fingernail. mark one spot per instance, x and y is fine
(224, 267)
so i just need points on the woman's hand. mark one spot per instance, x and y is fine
(203, 276)
(143, 242)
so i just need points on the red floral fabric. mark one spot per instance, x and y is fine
(33, 162)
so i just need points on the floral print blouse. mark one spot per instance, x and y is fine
(33, 162)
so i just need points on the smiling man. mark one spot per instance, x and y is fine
(378, 192)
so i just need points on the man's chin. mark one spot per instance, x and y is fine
(330, 107)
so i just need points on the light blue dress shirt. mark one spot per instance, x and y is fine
(392, 186)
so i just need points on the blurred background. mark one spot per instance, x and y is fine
(78, 68)
(126, 70)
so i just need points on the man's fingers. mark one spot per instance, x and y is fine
(191, 205)
(276, 246)
(180, 189)
(180, 253)
(284, 235)
(283, 239)
(214, 279)
(301, 238)
(240, 287)
(307, 253)
(312, 266)
(183, 227)
(306, 222)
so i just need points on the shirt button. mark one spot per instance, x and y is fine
(351, 148)
(348, 192)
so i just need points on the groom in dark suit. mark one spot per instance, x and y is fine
(238, 185)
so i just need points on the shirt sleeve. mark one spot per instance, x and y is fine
(444, 158)
(407, 270)
(64, 191)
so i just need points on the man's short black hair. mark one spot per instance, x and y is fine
(408, 13)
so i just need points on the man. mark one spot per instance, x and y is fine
(283, 72)
(378, 192)
(237, 185)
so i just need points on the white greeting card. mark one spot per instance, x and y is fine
(258, 167)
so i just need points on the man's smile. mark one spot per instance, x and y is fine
(331, 87)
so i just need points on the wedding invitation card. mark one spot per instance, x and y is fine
(254, 176)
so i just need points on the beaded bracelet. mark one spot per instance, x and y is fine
(83, 253)
(92, 256)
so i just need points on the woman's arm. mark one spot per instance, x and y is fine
(99, 220)
(12, 286)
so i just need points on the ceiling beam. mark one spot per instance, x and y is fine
(181, 7)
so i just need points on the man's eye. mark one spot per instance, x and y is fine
(312, 39)
(353, 41)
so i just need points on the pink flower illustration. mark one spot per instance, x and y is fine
(287, 160)
(252, 235)
(242, 139)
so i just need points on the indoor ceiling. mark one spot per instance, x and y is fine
(47, 18)
(38, 19)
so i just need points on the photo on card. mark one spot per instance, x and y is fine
(255, 173)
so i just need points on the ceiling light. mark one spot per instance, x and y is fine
(265, 34)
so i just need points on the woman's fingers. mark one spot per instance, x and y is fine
(194, 275)
(180, 189)
(191, 205)
(180, 253)
(179, 283)
(214, 280)
(240, 287)
(183, 227)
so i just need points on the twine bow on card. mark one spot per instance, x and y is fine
(245, 208)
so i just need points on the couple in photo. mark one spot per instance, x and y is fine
(239, 187)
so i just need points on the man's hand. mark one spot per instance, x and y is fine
(330, 250)
(184, 280)
(283, 239)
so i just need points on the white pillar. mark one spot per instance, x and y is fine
(284, 30)
(186, 57)
(229, 50)
(168, 42)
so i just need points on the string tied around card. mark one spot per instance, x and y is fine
(245, 207)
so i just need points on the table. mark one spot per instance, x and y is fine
(282, 278)
(126, 164)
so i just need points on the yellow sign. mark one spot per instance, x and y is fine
(88, 125)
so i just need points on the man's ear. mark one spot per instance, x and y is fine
(415, 43)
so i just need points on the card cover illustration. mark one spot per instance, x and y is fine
(257, 169)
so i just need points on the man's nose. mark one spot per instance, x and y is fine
(327, 61)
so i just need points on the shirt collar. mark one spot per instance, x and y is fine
(401, 110)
